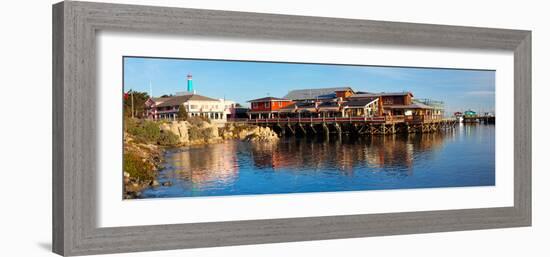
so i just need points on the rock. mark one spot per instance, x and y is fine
(243, 134)
(154, 183)
(247, 132)
(166, 184)
(211, 129)
(181, 129)
(178, 128)
(260, 134)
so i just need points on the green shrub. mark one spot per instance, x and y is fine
(146, 131)
(182, 113)
(129, 124)
(195, 120)
(194, 133)
(168, 138)
(207, 133)
(150, 130)
(134, 165)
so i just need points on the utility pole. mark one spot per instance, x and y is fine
(132, 96)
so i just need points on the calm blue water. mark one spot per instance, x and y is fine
(464, 157)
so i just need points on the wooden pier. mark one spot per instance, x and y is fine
(479, 119)
(382, 125)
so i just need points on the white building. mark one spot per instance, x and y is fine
(217, 110)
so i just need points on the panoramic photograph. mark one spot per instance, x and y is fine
(196, 128)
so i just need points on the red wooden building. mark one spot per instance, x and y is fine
(266, 107)
(342, 102)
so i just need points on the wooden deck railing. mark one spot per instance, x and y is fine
(379, 119)
(313, 120)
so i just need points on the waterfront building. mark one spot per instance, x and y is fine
(393, 103)
(344, 102)
(217, 110)
(334, 110)
(363, 107)
(305, 109)
(267, 107)
(287, 111)
(402, 103)
(317, 102)
(329, 109)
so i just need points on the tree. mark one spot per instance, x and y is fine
(139, 99)
(182, 113)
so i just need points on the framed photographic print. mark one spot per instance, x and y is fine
(183, 128)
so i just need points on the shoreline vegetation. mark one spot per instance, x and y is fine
(145, 142)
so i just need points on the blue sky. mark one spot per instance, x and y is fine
(242, 81)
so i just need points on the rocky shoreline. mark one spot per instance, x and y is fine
(247, 132)
(143, 158)
(141, 162)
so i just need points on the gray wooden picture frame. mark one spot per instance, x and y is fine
(75, 25)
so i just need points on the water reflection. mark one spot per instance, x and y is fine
(202, 165)
(464, 157)
(344, 153)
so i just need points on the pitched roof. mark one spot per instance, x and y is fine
(159, 99)
(306, 107)
(327, 96)
(269, 98)
(313, 93)
(410, 106)
(180, 99)
(156, 99)
(360, 103)
(289, 108)
(368, 94)
(362, 92)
